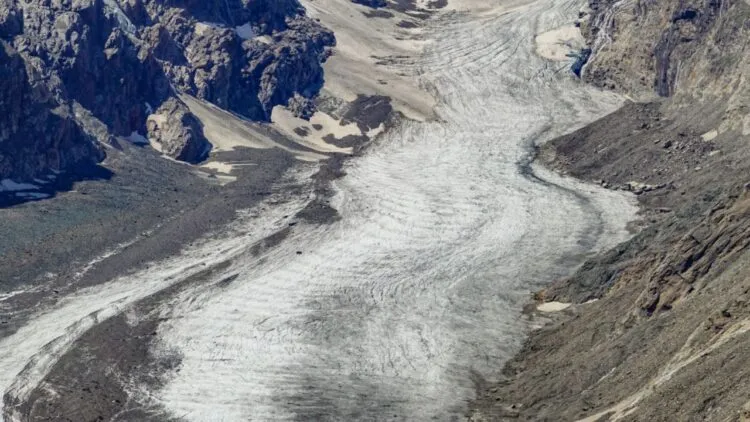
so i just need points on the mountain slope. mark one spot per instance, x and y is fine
(658, 329)
(85, 72)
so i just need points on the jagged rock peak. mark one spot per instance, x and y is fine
(123, 59)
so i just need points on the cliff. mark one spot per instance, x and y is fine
(75, 67)
(695, 51)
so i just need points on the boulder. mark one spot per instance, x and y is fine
(177, 133)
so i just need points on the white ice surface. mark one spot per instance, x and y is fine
(388, 312)
(27, 355)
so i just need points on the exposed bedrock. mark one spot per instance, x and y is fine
(122, 59)
(36, 133)
(690, 49)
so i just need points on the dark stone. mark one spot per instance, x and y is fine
(581, 59)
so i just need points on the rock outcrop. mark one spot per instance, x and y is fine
(694, 50)
(37, 134)
(119, 60)
(691, 59)
(173, 130)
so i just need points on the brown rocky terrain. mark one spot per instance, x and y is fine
(658, 330)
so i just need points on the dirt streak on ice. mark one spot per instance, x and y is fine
(388, 312)
(27, 355)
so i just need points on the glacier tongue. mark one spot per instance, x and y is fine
(389, 312)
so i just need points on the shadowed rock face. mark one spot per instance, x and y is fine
(122, 59)
(36, 133)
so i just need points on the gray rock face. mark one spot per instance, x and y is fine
(121, 59)
(693, 51)
(670, 48)
(36, 133)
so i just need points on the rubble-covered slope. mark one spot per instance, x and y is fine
(82, 72)
(659, 327)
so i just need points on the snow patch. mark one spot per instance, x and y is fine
(710, 135)
(113, 9)
(552, 307)
(374, 57)
(560, 43)
(226, 131)
(137, 138)
(202, 27)
(265, 39)
(32, 195)
(9, 185)
(286, 122)
(245, 31)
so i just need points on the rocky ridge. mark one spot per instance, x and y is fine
(78, 74)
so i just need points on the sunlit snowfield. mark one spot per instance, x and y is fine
(389, 312)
